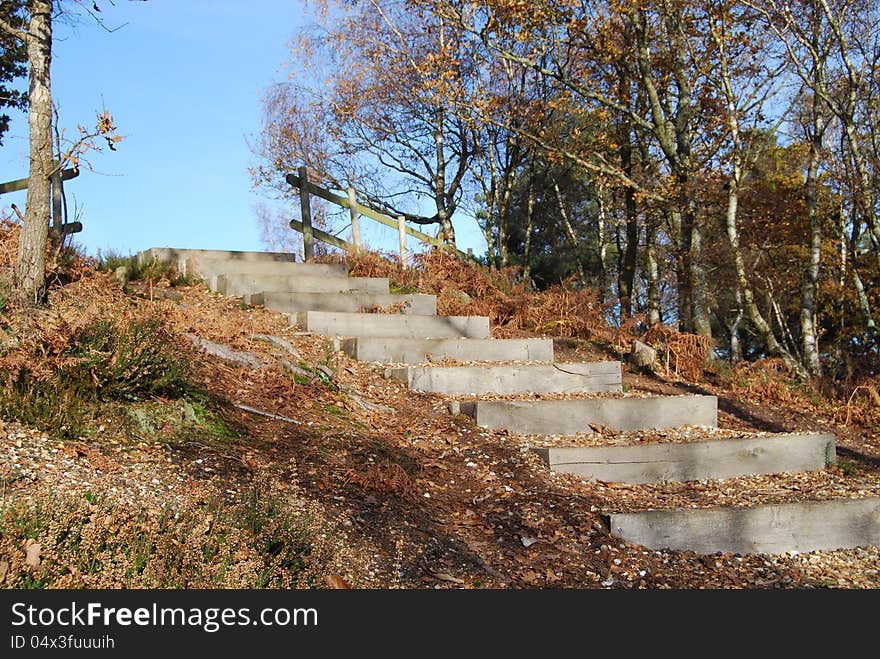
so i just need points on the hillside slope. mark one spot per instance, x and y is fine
(313, 470)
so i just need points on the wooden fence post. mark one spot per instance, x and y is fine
(56, 199)
(306, 211)
(355, 220)
(401, 229)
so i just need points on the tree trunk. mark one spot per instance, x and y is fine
(503, 255)
(527, 251)
(861, 295)
(811, 276)
(653, 272)
(735, 346)
(693, 295)
(683, 280)
(570, 234)
(864, 303)
(489, 230)
(751, 307)
(627, 272)
(702, 325)
(602, 241)
(447, 231)
(864, 188)
(31, 264)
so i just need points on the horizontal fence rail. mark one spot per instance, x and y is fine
(59, 226)
(22, 183)
(357, 210)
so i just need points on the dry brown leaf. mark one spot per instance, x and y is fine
(532, 577)
(32, 551)
(335, 582)
(527, 541)
(443, 576)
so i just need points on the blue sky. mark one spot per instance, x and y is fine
(183, 80)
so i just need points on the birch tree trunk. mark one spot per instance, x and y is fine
(31, 263)
(751, 307)
(811, 276)
(527, 251)
(627, 270)
(653, 272)
(735, 346)
(447, 231)
(738, 163)
(570, 234)
(602, 242)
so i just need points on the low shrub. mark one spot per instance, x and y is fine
(126, 362)
(267, 539)
(138, 269)
(57, 386)
(49, 405)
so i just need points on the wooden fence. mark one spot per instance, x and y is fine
(57, 180)
(356, 210)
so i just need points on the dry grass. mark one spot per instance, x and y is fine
(513, 309)
(863, 404)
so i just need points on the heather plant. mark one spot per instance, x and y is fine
(125, 362)
(56, 386)
(91, 539)
(143, 269)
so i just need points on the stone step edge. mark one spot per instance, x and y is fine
(287, 257)
(214, 260)
(658, 462)
(519, 411)
(220, 283)
(471, 324)
(425, 305)
(763, 529)
(482, 379)
(422, 351)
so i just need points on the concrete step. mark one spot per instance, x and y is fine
(248, 284)
(690, 461)
(418, 351)
(286, 302)
(391, 325)
(768, 529)
(208, 263)
(571, 416)
(511, 379)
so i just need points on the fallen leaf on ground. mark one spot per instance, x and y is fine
(527, 541)
(447, 577)
(32, 553)
(335, 582)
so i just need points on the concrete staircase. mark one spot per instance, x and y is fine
(411, 339)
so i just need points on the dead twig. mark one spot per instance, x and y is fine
(270, 415)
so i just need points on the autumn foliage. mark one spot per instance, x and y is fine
(652, 152)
